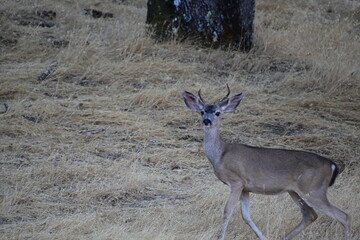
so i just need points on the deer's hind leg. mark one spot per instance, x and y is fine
(308, 215)
(319, 200)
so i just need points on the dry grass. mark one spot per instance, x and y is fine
(114, 153)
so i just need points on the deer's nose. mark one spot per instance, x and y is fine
(207, 122)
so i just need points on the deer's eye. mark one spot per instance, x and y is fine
(217, 114)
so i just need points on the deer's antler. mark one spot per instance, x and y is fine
(228, 93)
(201, 99)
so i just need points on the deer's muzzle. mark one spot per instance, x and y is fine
(207, 122)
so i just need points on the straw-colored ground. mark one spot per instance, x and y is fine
(104, 147)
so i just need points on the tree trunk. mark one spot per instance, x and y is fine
(216, 23)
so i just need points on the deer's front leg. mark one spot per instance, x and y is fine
(235, 192)
(245, 210)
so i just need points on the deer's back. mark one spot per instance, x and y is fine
(268, 170)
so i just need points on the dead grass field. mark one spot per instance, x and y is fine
(104, 147)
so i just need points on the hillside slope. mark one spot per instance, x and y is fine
(96, 142)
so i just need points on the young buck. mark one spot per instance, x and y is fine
(305, 176)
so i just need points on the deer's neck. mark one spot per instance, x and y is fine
(213, 145)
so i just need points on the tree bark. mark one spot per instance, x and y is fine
(216, 23)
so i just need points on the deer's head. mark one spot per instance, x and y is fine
(211, 112)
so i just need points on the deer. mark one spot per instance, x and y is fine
(247, 169)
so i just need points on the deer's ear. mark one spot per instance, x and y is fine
(192, 101)
(230, 104)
